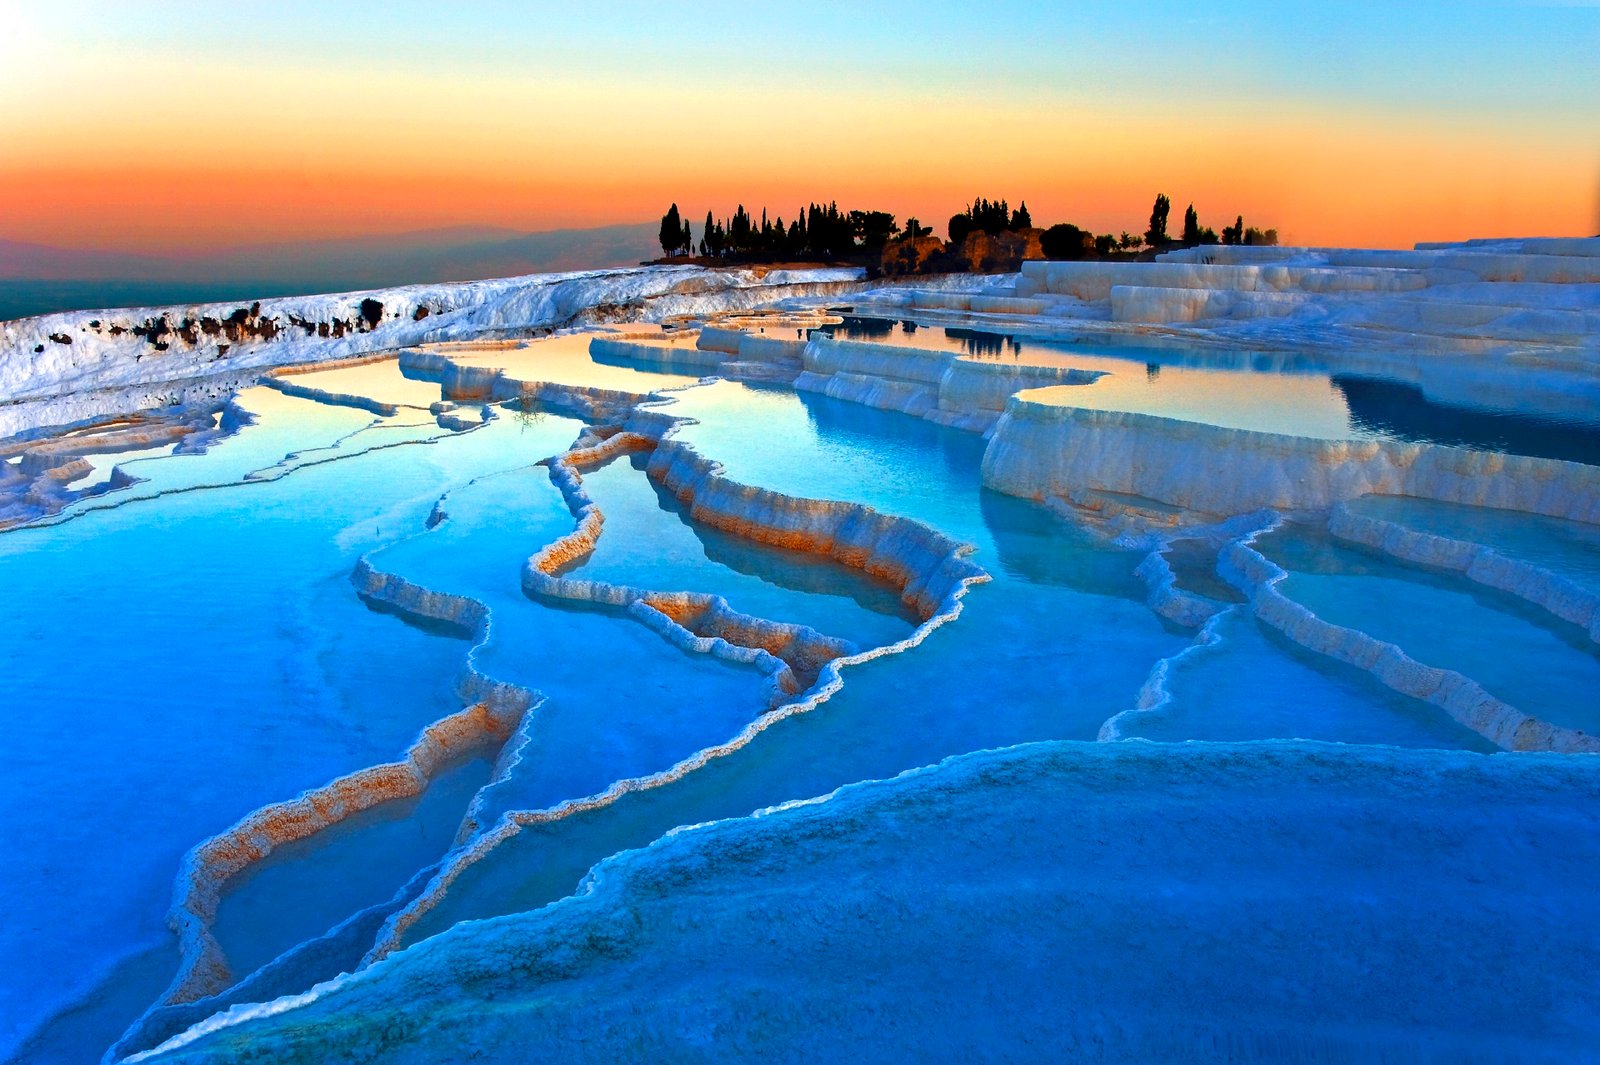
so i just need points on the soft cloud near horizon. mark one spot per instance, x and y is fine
(169, 125)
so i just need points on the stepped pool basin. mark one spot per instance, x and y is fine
(632, 690)
(1285, 392)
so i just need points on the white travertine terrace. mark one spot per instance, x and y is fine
(72, 367)
(1460, 696)
(1440, 298)
(694, 622)
(1045, 447)
(656, 352)
(39, 476)
(804, 665)
(721, 888)
(1515, 324)
(1483, 565)
(1523, 316)
(940, 386)
(930, 569)
(1092, 281)
(203, 968)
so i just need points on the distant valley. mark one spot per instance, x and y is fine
(40, 279)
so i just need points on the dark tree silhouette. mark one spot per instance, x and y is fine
(958, 227)
(872, 229)
(822, 231)
(1156, 235)
(671, 231)
(1191, 226)
(1065, 242)
(990, 216)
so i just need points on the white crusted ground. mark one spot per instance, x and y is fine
(59, 369)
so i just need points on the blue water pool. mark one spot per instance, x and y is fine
(229, 629)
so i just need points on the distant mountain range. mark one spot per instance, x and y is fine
(39, 279)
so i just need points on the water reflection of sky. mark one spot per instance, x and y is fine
(380, 380)
(1267, 392)
(565, 360)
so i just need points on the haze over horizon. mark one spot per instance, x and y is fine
(40, 279)
(181, 128)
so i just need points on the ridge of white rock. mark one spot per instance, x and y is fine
(1483, 565)
(1155, 694)
(1459, 696)
(941, 386)
(1486, 296)
(203, 968)
(789, 655)
(39, 478)
(104, 360)
(1043, 446)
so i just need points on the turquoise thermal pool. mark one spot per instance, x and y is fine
(444, 652)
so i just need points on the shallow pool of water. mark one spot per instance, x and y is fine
(1543, 667)
(1251, 684)
(230, 663)
(1256, 391)
(565, 360)
(648, 542)
(379, 380)
(1568, 549)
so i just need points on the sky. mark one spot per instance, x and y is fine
(179, 126)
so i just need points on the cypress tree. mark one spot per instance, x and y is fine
(1156, 235)
(671, 231)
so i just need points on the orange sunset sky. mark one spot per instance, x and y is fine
(170, 126)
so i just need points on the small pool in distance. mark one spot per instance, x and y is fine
(1267, 392)
(565, 360)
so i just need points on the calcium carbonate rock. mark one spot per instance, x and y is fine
(1045, 447)
(127, 348)
(1094, 280)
